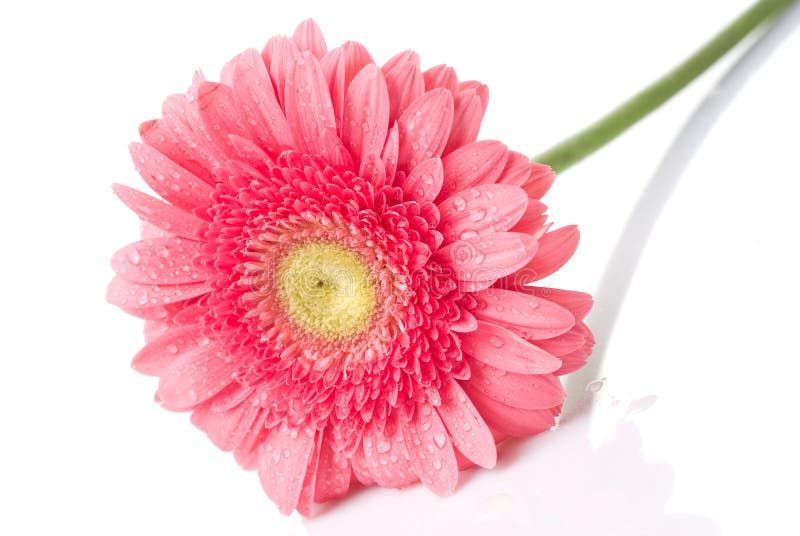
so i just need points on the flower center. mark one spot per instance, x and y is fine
(326, 289)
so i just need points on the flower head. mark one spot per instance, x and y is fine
(336, 281)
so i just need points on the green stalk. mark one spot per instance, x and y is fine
(596, 135)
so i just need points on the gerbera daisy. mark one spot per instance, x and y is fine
(336, 282)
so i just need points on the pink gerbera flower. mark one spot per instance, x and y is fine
(336, 283)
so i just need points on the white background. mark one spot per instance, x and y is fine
(694, 429)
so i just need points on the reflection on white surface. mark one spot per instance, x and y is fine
(557, 483)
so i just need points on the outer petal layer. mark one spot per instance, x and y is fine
(465, 425)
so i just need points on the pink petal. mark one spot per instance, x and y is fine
(309, 37)
(390, 152)
(440, 76)
(373, 170)
(533, 221)
(283, 462)
(386, 457)
(466, 323)
(481, 210)
(540, 181)
(366, 113)
(333, 473)
(308, 489)
(419, 255)
(195, 376)
(358, 464)
(487, 257)
(578, 303)
(471, 99)
(183, 124)
(424, 128)
(565, 343)
(467, 429)
(219, 114)
(279, 55)
(151, 231)
(575, 360)
(157, 327)
(160, 261)
(555, 249)
(340, 66)
(517, 170)
(475, 286)
(169, 180)
(404, 80)
(515, 422)
(129, 295)
(252, 155)
(476, 163)
(430, 451)
(525, 391)
(498, 347)
(424, 181)
(158, 354)
(233, 396)
(159, 213)
(308, 107)
(534, 317)
(254, 93)
(226, 429)
(247, 452)
(156, 134)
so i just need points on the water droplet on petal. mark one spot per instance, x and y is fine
(134, 257)
(477, 215)
(440, 439)
(459, 203)
(495, 341)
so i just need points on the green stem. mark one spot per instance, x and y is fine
(595, 136)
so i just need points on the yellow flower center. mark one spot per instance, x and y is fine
(326, 289)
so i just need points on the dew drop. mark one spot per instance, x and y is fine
(440, 439)
(495, 341)
(459, 203)
(477, 215)
(171, 348)
(134, 257)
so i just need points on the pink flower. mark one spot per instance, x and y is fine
(335, 283)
